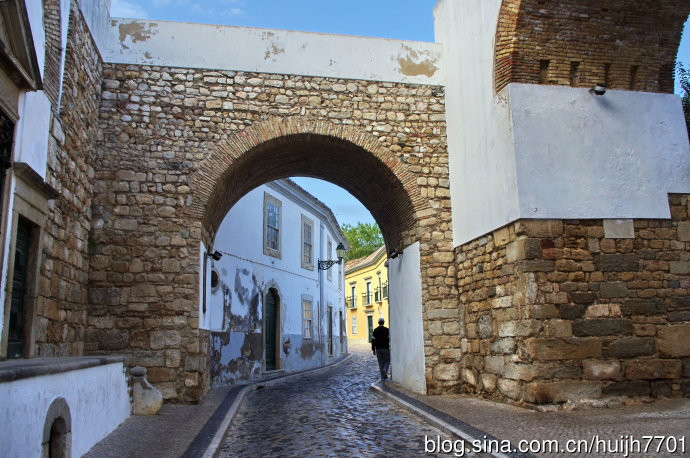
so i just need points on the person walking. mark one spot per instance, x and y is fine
(380, 345)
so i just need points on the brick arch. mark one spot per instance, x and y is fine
(630, 44)
(279, 148)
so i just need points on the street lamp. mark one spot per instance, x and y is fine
(340, 251)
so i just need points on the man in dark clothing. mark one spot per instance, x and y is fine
(380, 345)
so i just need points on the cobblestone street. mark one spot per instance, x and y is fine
(325, 414)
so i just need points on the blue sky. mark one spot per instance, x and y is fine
(397, 19)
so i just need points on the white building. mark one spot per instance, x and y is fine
(267, 304)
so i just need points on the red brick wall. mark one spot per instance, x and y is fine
(630, 44)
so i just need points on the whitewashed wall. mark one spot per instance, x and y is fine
(407, 333)
(97, 397)
(235, 308)
(537, 151)
(271, 51)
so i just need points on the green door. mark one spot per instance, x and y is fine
(270, 336)
(370, 325)
(15, 346)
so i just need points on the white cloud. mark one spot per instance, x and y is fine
(234, 12)
(123, 8)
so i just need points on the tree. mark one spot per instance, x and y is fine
(363, 239)
(684, 80)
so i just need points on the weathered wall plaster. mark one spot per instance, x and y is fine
(235, 306)
(97, 397)
(271, 51)
(407, 333)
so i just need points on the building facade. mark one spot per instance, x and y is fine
(268, 306)
(366, 284)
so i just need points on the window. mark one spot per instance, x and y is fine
(354, 325)
(340, 275)
(329, 250)
(307, 243)
(367, 294)
(378, 294)
(307, 318)
(352, 298)
(272, 217)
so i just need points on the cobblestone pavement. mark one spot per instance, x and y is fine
(332, 413)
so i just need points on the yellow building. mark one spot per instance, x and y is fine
(366, 295)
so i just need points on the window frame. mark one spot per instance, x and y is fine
(306, 299)
(269, 199)
(353, 325)
(307, 222)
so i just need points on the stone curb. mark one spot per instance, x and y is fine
(446, 423)
(214, 446)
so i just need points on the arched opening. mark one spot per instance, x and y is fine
(382, 181)
(57, 430)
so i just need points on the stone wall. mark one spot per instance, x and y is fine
(556, 311)
(62, 295)
(161, 124)
(627, 44)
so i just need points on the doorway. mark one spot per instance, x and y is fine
(17, 335)
(271, 331)
(370, 327)
(330, 331)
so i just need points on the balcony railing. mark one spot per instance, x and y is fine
(366, 298)
(381, 293)
(351, 302)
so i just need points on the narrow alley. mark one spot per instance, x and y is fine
(331, 413)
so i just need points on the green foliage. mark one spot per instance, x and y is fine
(363, 239)
(684, 80)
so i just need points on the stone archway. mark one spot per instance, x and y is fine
(343, 155)
(381, 180)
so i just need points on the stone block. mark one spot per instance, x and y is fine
(489, 382)
(646, 307)
(571, 311)
(509, 388)
(651, 369)
(517, 371)
(502, 236)
(686, 367)
(567, 348)
(503, 346)
(563, 391)
(583, 297)
(619, 229)
(602, 327)
(608, 290)
(680, 267)
(595, 369)
(447, 372)
(631, 347)
(113, 340)
(558, 328)
(681, 315)
(629, 262)
(627, 388)
(485, 327)
(538, 265)
(163, 339)
(674, 340)
(436, 314)
(684, 231)
(661, 388)
(539, 228)
(494, 364)
(161, 374)
(522, 328)
(542, 311)
(523, 248)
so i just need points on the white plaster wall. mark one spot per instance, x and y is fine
(585, 156)
(34, 9)
(98, 401)
(97, 16)
(6, 240)
(271, 51)
(241, 235)
(407, 334)
(483, 184)
(33, 131)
